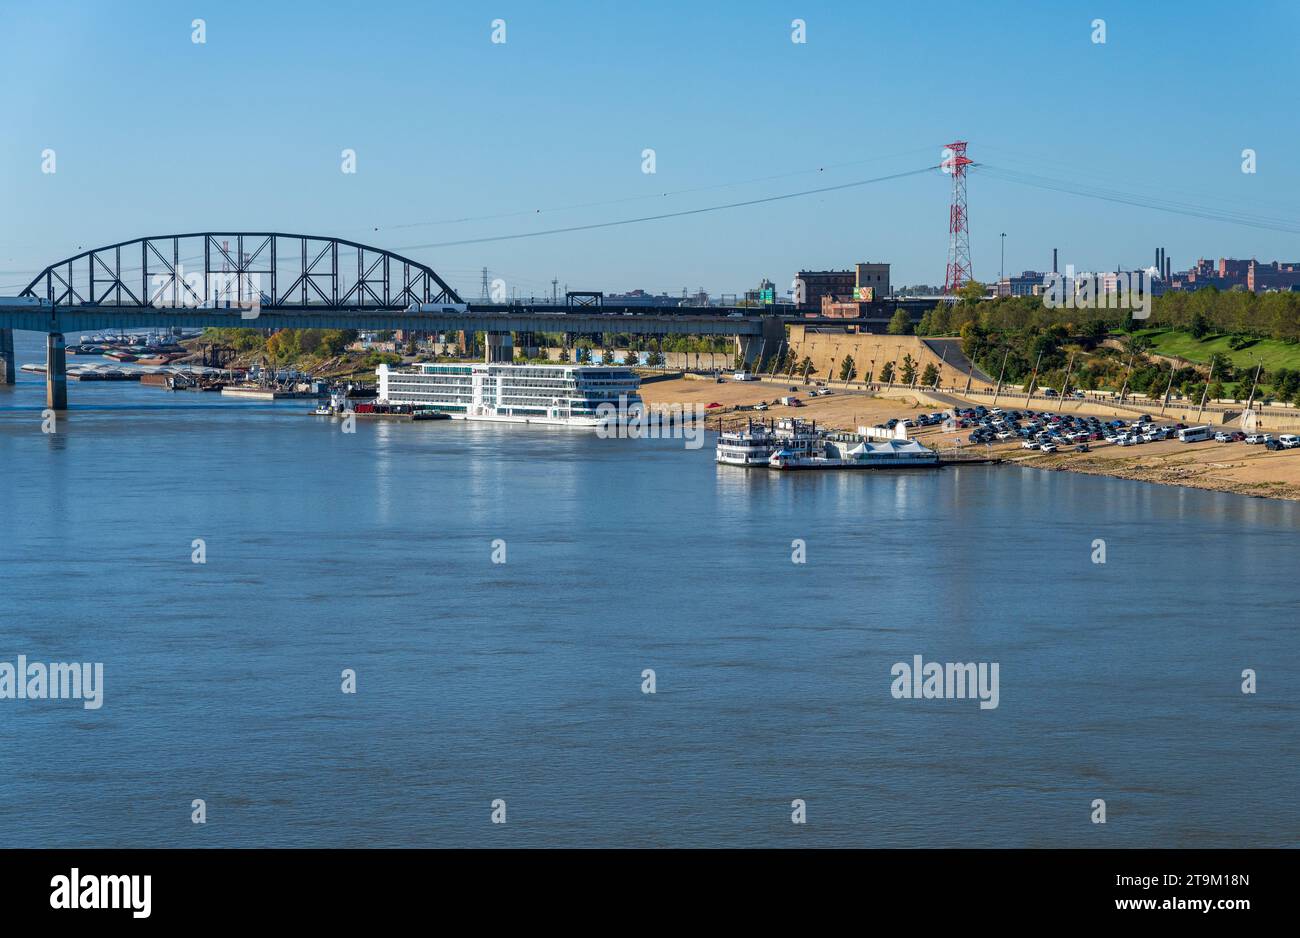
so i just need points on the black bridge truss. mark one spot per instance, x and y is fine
(209, 268)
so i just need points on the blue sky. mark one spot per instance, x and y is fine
(155, 134)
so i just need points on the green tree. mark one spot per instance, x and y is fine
(972, 291)
(848, 369)
(941, 320)
(887, 373)
(900, 323)
(909, 370)
(930, 377)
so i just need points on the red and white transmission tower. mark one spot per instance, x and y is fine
(955, 163)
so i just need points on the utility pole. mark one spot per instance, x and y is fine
(1065, 385)
(1254, 384)
(777, 360)
(1127, 371)
(1206, 393)
(1168, 387)
(1003, 371)
(1033, 379)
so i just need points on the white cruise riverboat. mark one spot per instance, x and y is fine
(563, 395)
(754, 445)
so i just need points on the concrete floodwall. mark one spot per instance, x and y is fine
(871, 351)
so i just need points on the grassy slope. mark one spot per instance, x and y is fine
(1272, 353)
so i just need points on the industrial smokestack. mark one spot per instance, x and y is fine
(1168, 268)
(1053, 260)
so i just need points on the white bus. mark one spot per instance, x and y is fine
(1195, 434)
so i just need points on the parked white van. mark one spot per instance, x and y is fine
(1289, 440)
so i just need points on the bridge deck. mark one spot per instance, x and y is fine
(85, 318)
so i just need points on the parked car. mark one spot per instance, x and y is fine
(1289, 440)
(1255, 438)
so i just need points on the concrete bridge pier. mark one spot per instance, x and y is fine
(7, 373)
(56, 372)
(752, 347)
(500, 347)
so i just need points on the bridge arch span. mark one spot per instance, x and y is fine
(282, 271)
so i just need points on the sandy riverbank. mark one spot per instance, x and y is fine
(840, 411)
(1221, 467)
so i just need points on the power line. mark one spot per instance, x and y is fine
(1028, 161)
(1249, 220)
(641, 198)
(644, 218)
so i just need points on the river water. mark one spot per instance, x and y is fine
(523, 681)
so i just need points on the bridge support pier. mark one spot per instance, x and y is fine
(56, 372)
(7, 373)
(751, 348)
(500, 347)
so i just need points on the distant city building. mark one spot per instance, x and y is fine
(1029, 283)
(866, 283)
(1231, 273)
(765, 295)
(1274, 276)
(873, 277)
(641, 298)
(819, 283)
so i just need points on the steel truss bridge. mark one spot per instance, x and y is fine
(275, 280)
